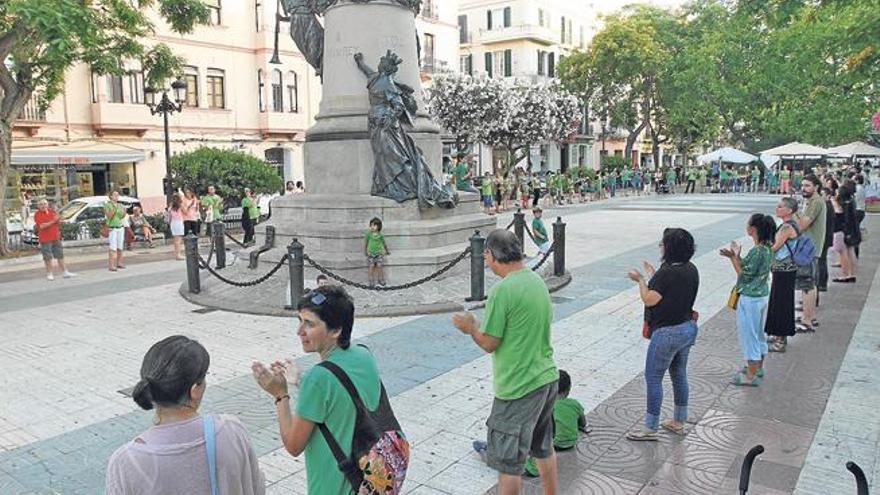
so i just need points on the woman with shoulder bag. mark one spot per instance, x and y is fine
(751, 286)
(183, 452)
(669, 309)
(779, 324)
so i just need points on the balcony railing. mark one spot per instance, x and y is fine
(32, 111)
(429, 10)
(540, 34)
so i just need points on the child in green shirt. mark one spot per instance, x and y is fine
(375, 250)
(568, 420)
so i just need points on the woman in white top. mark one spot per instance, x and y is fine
(172, 457)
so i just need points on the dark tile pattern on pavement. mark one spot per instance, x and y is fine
(725, 421)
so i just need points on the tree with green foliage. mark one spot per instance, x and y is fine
(41, 39)
(229, 171)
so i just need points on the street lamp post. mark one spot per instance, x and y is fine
(166, 107)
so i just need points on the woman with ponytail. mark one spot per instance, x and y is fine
(183, 452)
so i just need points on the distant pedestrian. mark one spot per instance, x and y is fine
(752, 272)
(691, 180)
(174, 217)
(847, 234)
(516, 331)
(213, 204)
(811, 223)
(779, 325)
(47, 224)
(250, 214)
(327, 425)
(289, 188)
(669, 297)
(486, 193)
(785, 180)
(191, 215)
(183, 452)
(375, 249)
(25, 211)
(140, 225)
(114, 214)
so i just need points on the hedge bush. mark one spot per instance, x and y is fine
(229, 171)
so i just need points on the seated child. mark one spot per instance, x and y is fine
(568, 419)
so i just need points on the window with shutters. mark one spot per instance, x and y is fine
(463, 36)
(466, 64)
(498, 63)
(293, 92)
(136, 86)
(488, 60)
(215, 9)
(114, 89)
(277, 91)
(570, 31)
(551, 64)
(541, 18)
(498, 18)
(191, 78)
(508, 63)
(541, 58)
(563, 30)
(428, 52)
(216, 88)
(261, 90)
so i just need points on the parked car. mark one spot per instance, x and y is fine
(80, 210)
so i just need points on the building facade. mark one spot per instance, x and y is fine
(526, 39)
(99, 135)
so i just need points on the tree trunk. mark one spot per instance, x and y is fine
(5, 161)
(631, 140)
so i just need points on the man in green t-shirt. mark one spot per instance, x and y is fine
(516, 331)
(486, 192)
(250, 213)
(539, 232)
(213, 207)
(114, 218)
(811, 222)
(691, 180)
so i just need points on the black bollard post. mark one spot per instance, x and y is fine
(519, 228)
(218, 230)
(191, 243)
(558, 247)
(295, 270)
(478, 267)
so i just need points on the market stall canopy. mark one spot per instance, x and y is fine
(728, 155)
(855, 148)
(768, 160)
(82, 153)
(796, 149)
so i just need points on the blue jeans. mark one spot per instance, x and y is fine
(750, 313)
(668, 350)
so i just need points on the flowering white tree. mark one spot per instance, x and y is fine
(535, 113)
(467, 107)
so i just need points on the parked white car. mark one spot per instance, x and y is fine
(80, 210)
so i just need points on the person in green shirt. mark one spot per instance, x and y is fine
(724, 177)
(755, 179)
(811, 222)
(375, 250)
(568, 418)
(670, 180)
(691, 180)
(516, 331)
(539, 232)
(250, 213)
(785, 178)
(753, 272)
(114, 217)
(463, 175)
(704, 176)
(326, 319)
(486, 192)
(213, 207)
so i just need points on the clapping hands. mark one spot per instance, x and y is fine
(275, 377)
(731, 252)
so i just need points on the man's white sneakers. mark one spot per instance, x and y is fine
(50, 277)
(69, 275)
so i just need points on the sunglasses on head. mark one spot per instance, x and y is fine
(316, 297)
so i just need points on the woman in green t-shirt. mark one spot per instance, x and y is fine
(250, 213)
(326, 318)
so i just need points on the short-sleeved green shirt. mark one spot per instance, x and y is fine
(815, 209)
(322, 399)
(539, 231)
(250, 207)
(460, 171)
(117, 214)
(566, 416)
(754, 272)
(213, 203)
(486, 187)
(375, 242)
(519, 313)
(755, 175)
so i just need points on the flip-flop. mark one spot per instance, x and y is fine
(669, 426)
(642, 435)
(804, 328)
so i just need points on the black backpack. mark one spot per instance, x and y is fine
(377, 437)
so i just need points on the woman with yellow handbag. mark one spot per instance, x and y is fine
(751, 294)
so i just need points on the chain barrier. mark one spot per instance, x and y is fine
(510, 224)
(251, 283)
(546, 255)
(339, 278)
(210, 255)
(241, 244)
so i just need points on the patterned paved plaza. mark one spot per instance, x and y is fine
(71, 347)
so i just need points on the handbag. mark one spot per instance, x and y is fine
(105, 231)
(733, 299)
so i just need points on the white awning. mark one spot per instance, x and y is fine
(856, 148)
(795, 149)
(84, 153)
(729, 155)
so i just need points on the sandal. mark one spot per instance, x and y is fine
(814, 323)
(673, 427)
(742, 380)
(759, 374)
(804, 328)
(642, 435)
(777, 346)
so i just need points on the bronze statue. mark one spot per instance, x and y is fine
(400, 171)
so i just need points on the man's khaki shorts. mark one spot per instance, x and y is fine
(51, 249)
(519, 428)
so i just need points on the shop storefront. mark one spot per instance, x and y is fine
(61, 174)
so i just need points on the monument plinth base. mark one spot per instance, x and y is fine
(332, 230)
